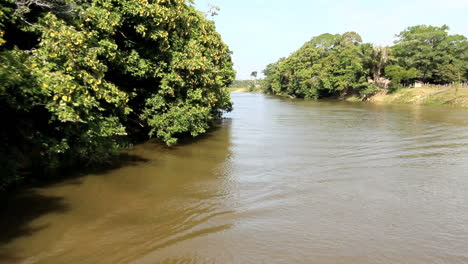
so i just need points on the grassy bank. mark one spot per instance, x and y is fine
(422, 96)
(239, 90)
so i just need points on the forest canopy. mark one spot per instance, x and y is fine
(80, 77)
(338, 65)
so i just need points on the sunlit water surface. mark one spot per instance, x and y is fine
(279, 181)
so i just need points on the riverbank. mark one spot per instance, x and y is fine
(339, 170)
(239, 90)
(421, 96)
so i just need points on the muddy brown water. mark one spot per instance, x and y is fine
(279, 181)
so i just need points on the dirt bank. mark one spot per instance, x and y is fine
(422, 96)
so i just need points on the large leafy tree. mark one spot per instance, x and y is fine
(400, 75)
(436, 55)
(337, 65)
(79, 76)
(327, 65)
(374, 59)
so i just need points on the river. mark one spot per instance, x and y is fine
(278, 181)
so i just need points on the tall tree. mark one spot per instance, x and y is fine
(80, 75)
(327, 65)
(254, 75)
(374, 60)
(437, 56)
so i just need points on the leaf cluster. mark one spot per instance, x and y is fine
(81, 77)
(437, 56)
(327, 65)
(338, 65)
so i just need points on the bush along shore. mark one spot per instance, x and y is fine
(343, 66)
(79, 79)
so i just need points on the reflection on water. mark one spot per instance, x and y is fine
(279, 181)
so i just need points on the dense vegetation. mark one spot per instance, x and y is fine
(339, 65)
(79, 77)
(246, 85)
(242, 84)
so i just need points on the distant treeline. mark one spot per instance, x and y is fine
(242, 84)
(79, 78)
(339, 65)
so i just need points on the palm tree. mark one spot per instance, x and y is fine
(374, 59)
(380, 59)
(254, 75)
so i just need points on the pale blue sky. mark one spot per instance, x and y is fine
(261, 31)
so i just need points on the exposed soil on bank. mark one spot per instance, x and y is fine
(421, 96)
(239, 90)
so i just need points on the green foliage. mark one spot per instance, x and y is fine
(374, 59)
(448, 73)
(367, 90)
(5, 15)
(328, 65)
(79, 76)
(337, 65)
(437, 56)
(252, 88)
(241, 84)
(401, 75)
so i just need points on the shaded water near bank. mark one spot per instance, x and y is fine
(279, 181)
